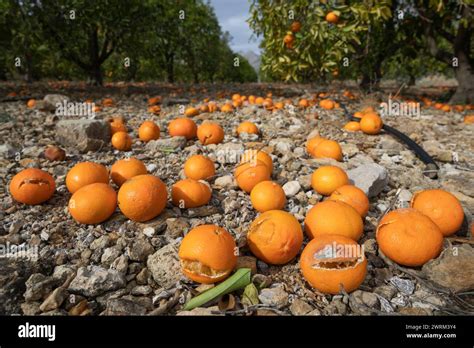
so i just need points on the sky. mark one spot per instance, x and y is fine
(232, 16)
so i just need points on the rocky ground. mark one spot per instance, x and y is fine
(123, 267)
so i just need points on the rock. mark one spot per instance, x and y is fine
(405, 286)
(276, 296)
(166, 144)
(405, 196)
(437, 150)
(226, 181)
(100, 243)
(291, 188)
(247, 262)
(388, 143)
(386, 291)
(349, 149)
(300, 307)
(415, 311)
(248, 136)
(92, 281)
(385, 305)
(315, 312)
(176, 227)
(362, 301)
(453, 269)
(120, 264)
(370, 178)
(110, 254)
(305, 181)
(201, 311)
(337, 306)
(164, 266)
(38, 286)
(54, 300)
(282, 145)
(175, 101)
(140, 250)
(83, 134)
(31, 308)
(229, 153)
(141, 290)
(8, 151)
(121, 306)
(51, 101)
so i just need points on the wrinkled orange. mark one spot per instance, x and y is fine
(32, 186)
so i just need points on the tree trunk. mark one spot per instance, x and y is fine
(95, 72)
(95, 76)
(464, 74)
(170, 67)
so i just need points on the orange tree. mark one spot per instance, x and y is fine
(306, 40)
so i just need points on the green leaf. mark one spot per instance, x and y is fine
(250, 296)
(238, 280)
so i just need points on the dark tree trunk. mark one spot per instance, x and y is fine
(464, 74)
(170, 67)
(95, 76)
(29, 67)
(95, 72)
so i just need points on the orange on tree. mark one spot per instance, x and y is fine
(331, 263)
(442, 207)
(199, 167)
(275, 237)
(182, 127)
(122, 141)
(332, 17)
(333, 217)
(409, 237)
(250, 174)
(289, 40)
(252, 156)
(247, 127)
(32, 186)
(208, 254)
(295, 27)
(142, 197)
(267, 195)
(190, 193)
(125, 169)
(371, 123)
(93, 203)
(353, 196)
(210, 133)
(86, 173)
(148, 130)
(326, 179)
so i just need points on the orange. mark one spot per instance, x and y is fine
(327, 149)
(190, 112)
(288, 40)
(251, 99)
(303, 103)
(250, 174)
(312, 143)
(117, 125)
(353, 196)
(199, 167)
(154, 100)
(446, 108)
(122, 141)
(142, 197)
(275, 237)
(210, 133)
(227, 108)
(32, 186)
(331, 17)
(438, 105)
(108, 102)
(31, 103)
(148, 130)
(409, 237)
(442, 207)
(330, 262)
(182, 127)
(371, 123)
(127, 168)
(154, 109)
(352, 126)
(333, 217)
(93, 204)
(358, 114)
(326, 179)
(204, 108)
(86, 173)
(247, 127)
(235, 104)
(326, 104)
(212, 107)
(279, 105)
(295, 27)
(367, 109)
(207, 254)
(253, 155)
(469, 119)
(236, 96)
(259, 100)
(190, 193)
(267, 195)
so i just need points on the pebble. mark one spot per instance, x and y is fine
(370, 178)
(275, 296)
(92, 281)
(291, 188)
